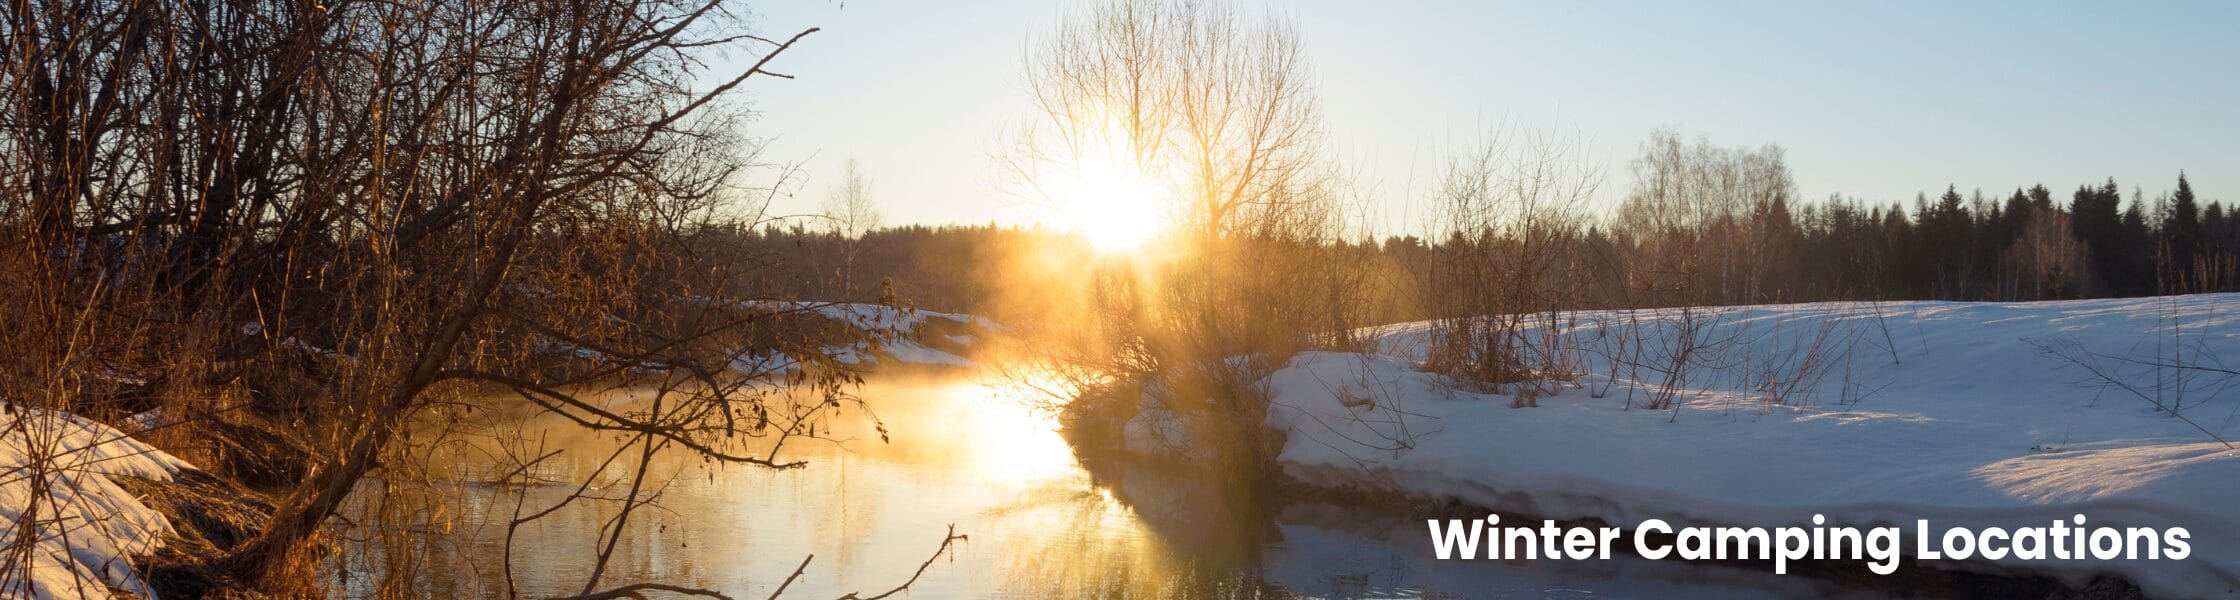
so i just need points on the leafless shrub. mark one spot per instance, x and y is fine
(1786, 368)
(1697, 231)
(1502, 286)
(2164, 381)
(1668, 350)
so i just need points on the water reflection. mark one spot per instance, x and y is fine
(870, 512)
(1040, 524)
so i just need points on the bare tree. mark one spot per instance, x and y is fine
(1692, 242)
(2047, 260)
(340, 220)
(1702, 215)
(1221, 114)
(1221, 117)
(849, 210)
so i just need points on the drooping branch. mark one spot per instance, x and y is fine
(948, 540)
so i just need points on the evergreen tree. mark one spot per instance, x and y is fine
(1945, 241)
(2216, 234)
(2133, 262)
(2096, 217)
(2181, 234)
(1901, 250)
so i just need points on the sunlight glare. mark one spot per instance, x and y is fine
(1114, 207)
(1010, 444)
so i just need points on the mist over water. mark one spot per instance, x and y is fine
(962, 452)
(870, 512)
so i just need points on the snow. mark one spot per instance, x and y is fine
(1158, 431)
(896, 330)
(87, 527)
(1946, 411)
(900, 349)
(764, 363)
(911, 352)
(875, 317)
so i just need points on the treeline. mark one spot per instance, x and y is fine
(962, 268)
(1709, 225)
(2028, 245)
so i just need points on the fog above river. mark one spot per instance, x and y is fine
(962, 451)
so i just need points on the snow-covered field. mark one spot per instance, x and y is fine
(1953, 412)
(86, 527)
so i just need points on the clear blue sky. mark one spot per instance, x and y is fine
(1872, 99)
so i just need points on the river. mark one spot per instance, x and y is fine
(1040, 524)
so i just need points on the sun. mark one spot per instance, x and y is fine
(1115, 207)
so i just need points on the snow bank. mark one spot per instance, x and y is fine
(911, 352)
(908, 344)
(902, 336)
(86, 527)
(874, 316)
(1936, 410)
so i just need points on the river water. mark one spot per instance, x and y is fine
(1040, 524)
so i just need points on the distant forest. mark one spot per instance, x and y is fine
(2093, 242)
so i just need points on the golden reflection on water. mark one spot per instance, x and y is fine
(869, 512)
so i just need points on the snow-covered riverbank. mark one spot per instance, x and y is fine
(883, 335)
(1963, 413)
(86, 527)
